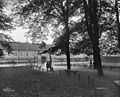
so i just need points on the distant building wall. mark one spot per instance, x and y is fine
(23, 54)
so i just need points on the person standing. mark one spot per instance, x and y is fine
(91, 64)
(49, 61)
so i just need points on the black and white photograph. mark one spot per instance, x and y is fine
(59, 48)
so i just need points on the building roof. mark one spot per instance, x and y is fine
(48, 46)
(19, 46)
(24, 46)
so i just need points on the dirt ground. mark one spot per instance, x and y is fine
(24, 82)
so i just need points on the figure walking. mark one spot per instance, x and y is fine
(91, 64)
(49, 62)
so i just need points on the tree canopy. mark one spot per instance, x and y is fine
(93, 29)
(5, 24)
(5, 21)
(50, 11)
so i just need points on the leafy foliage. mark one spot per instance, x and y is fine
(107, 26)
(5, 21)
(42, 45)
(60, 10)
(84, 46)
(5, 24)
(108, 43)
(5, 43)
(37, 13)
(7, 46)
(60, 43)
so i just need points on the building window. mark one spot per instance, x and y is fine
(26, 53)
(21, 53)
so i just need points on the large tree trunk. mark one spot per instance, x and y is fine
(117, 20)
(97, 58)
(68, 57)
(96, 49)
(67, 44)
(93, 31)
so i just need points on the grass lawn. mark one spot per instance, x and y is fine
(24, 82)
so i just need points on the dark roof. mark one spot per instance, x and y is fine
(27, 46)
(24, 46)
